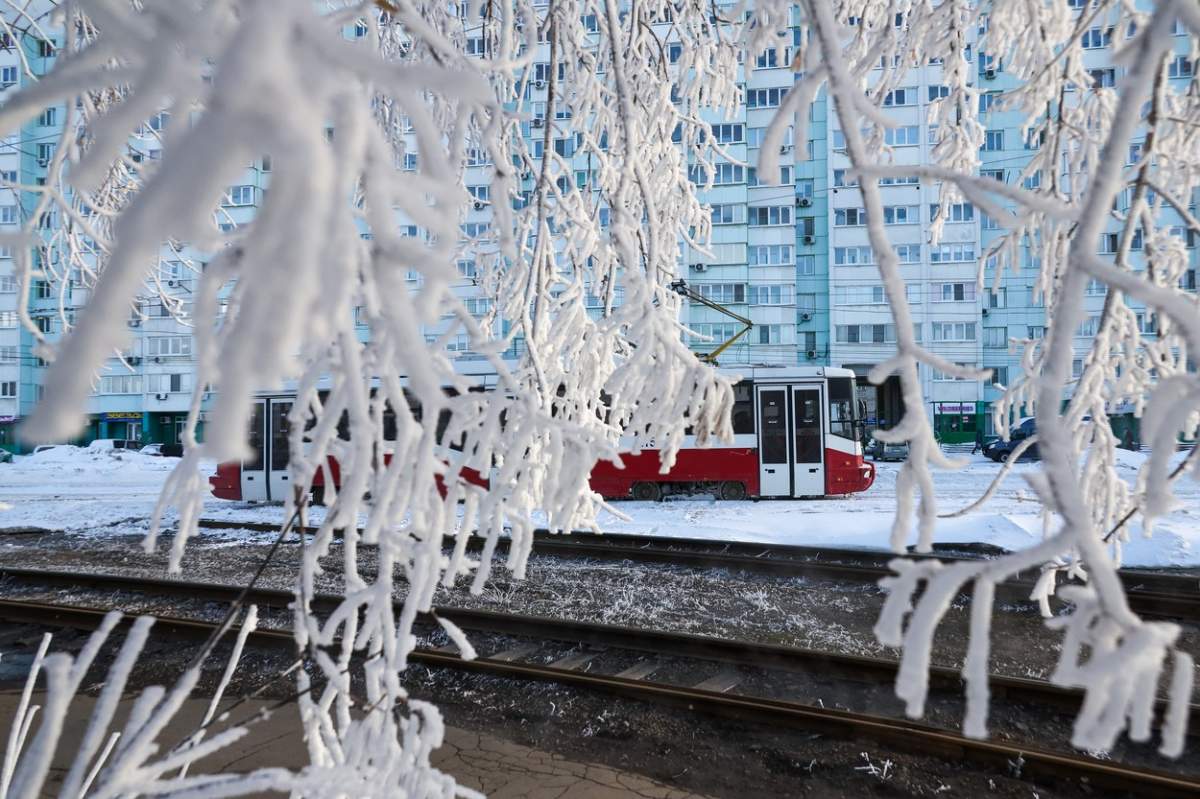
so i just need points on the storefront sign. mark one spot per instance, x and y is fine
(122, 416)
(954, 407)
(5, 419)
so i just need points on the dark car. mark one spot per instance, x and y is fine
(1003, 450)
(891, 451)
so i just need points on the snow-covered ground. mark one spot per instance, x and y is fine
(105, 493)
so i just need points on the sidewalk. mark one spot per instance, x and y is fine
(501, 769)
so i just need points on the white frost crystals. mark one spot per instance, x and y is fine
(1086, 131)
(441, 86)
(246, 78)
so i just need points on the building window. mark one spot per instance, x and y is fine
(1035, 332)
(768, 215)
(769, 334)
(849, 217)
(903, 136)
(999, 376)
(953, 331)
(908, 253)
(8, 388)
(996, 337)
(806, 265)
(993, 140)
(953, 292)
(241, 195)
(8, 77)
(900, 97)
(986, 101)
(859, 295)
(8, 354)
(806, 303)
(8, 214)
(952, 253)
(1096, 38)
(770, 254)
(1180, 67)
(159, 346)
(722, 292)
(776, 294)
(728, 214)
(48, 118)
(785, 173)
(840, 180)
(729, 133)
(765, 98)
(722, 174)
(8, 320)
(1103, 78)
(865, 334)
(938, 92)
(853, 256)
(955, 212)
(901, 215)
(121, 384)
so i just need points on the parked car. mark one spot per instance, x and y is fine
(154, 450)
(107, 444)
(889, 451)
(1003, 450)
(5, 456)
(172, 450)
(44, 447)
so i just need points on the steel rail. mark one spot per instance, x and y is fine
(1151, 594)
(899, 733)
(675, 644)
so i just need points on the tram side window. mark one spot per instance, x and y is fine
(255, 462)
(841, 407)
(279, 435)
(743, 407)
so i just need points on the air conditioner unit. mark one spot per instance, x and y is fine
(985, 311)
(538, 122)
(160, 396)
(539, 84)
(133, 360)
(989, 74)
(699, 267)
(809, 239)
(478, 205)
(811, 355)
(158, 359)
(172, 282)
(784, 149)
(805, 317)
(43, 162)
(803, 202)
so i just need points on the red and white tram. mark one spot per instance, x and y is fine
(796, 434)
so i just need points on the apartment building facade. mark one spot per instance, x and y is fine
(794, 258)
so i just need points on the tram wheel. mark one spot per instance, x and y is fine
(647, 492)
(732, 490)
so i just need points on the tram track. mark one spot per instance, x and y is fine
(1150, 593)
(637, 683)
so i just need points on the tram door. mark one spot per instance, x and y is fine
(278, 483)
(791, 445)
(264, 472)
(254, 467)
(774, 463)
(809, 450)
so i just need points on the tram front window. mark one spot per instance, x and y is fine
(841, 407)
